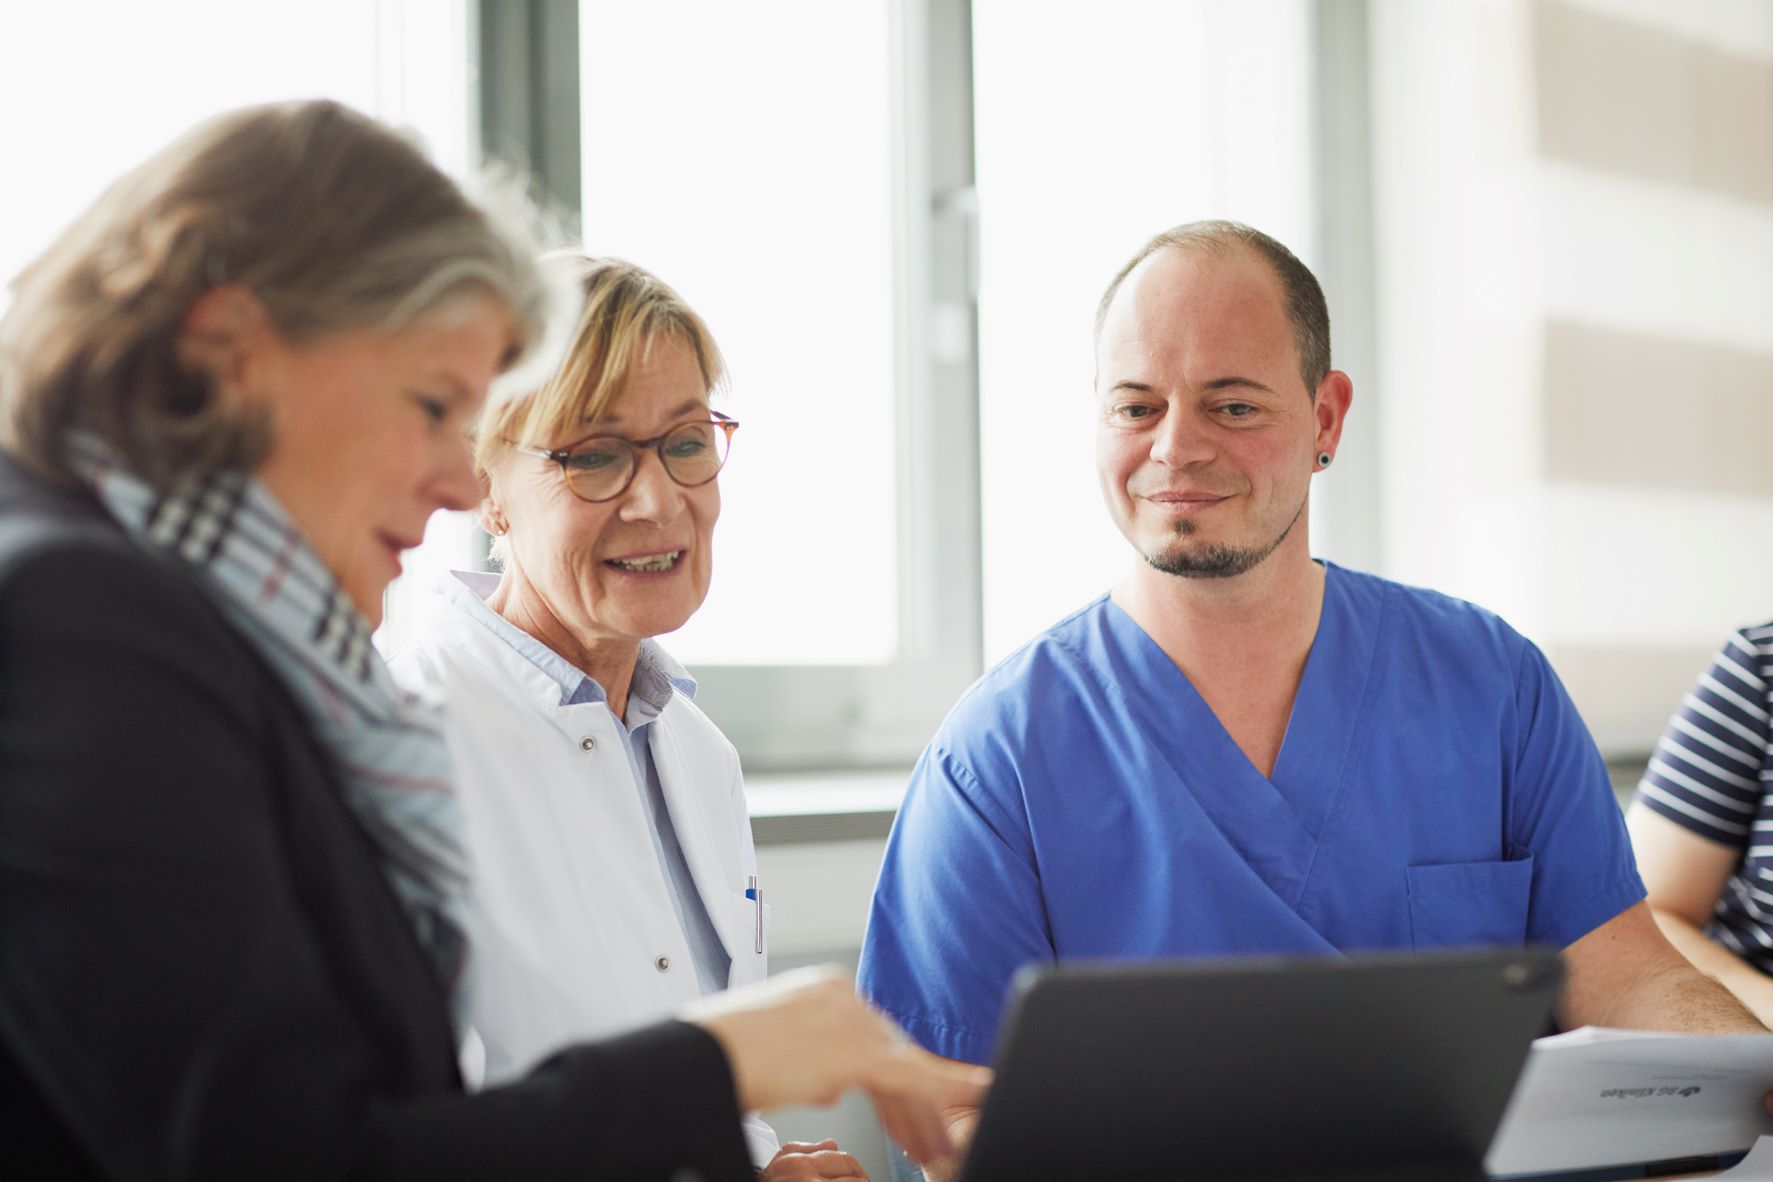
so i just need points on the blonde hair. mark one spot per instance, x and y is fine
(626, 310)
(331, 220)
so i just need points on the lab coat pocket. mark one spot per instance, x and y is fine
(750, 940)
(1470, 904)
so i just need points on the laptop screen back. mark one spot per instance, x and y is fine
(1246, 1068)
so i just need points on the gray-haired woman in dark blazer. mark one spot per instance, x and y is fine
(231, 873)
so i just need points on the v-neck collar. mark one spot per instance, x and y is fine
(1274, 821)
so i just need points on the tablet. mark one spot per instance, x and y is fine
(1387, 1065)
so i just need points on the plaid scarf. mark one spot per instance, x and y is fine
(387, 743)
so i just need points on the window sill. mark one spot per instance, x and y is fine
(824, 806)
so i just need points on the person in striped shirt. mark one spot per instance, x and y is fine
(1702, 821)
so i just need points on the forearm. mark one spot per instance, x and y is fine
(593, 1110)
(1673, 997)
(1750, 986)
(1626, 974)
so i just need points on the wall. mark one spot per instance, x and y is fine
(1574, 271)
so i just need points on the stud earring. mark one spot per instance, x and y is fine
(1323, 460)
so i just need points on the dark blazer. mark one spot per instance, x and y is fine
(203, 973)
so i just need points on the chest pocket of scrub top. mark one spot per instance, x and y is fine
(748, 962)
(1470, 904)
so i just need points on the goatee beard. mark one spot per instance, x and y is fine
(1215, 561)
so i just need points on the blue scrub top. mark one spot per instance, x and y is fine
(1435, 788)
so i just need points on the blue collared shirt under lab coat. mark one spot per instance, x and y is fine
(655, 676)
(1435, 788)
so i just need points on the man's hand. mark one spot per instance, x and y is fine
(805, 1038)
(798, 1160)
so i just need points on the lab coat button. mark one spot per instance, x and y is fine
(663, 964)
(587, 744)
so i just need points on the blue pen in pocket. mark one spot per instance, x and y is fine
(755, 894)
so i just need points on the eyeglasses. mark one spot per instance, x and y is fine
(601, 468)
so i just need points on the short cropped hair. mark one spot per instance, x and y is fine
(1304, 299)
(627, 310)
(332, 221)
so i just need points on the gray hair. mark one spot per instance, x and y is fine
(333, 222)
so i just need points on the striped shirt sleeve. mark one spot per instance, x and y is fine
(1715, 760)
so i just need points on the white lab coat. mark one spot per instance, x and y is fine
(574, 932)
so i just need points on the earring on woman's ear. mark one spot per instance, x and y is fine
(1323, 460)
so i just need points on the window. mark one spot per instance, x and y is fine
(756, 179)
(90, 93)
(912, 493)
(891, 520)
(405, 61)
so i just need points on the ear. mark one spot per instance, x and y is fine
(1334, 396)
(491, 518)
(488, 513)
(226, 334)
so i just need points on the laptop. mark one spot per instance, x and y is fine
(1376, 1067)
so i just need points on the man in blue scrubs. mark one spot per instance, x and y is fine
(1240, 749)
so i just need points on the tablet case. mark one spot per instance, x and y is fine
(1380, 1066)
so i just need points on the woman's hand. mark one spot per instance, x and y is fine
(799, 1160)
(805, 1038)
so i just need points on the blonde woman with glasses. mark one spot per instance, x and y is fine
(612, 850)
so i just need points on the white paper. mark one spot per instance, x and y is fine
(1758, 1163)
(1596, 1097)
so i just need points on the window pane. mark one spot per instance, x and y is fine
(166, 66)
(1170, 111)
(177, 62)
(755, 178)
